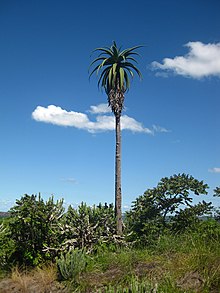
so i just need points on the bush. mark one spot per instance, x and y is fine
(87, 227)
(34, 226)
(208, 230)
(7, 245)
(71, 265)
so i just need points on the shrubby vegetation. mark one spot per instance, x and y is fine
(34, 225)
(166, 208)
(39, 231)
(166, 238)
(217, 210)
(89, 227)
(71, 264)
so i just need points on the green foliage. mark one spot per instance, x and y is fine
(89, 227)
(188, 218)
(183, 243)
(116, 66)
(71, 264)
(7, 245)
(175, 263)
(217, 210)
(39, 230)
(207, 230)
(217, 192)
(33, 227)
(151, 213)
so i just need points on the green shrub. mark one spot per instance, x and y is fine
(71, 264)
(208, 230)
(89, 227)
(7, 245)
(35, 227)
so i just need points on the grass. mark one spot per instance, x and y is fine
(176, 264)
(42, 280)
(21, 280)
(184, 263)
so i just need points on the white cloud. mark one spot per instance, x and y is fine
(69, 180)
(129, 123)
(103, 123)
(126, 207)
(214, 170)
(58, 116)
(100, 109)
(157, 128)
(203, 60)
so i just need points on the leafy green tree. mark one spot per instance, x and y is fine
(167, 206)
(34, 226)
(189, 217)
(115, 66)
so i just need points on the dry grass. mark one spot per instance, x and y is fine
(39, 280)
(21, 280)
(46, 276)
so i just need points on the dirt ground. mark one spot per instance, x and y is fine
(30, 286)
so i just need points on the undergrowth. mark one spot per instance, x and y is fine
(181, 263)
(175, 263)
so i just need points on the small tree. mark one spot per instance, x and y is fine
(151, 213)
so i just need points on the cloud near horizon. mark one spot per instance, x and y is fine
(69, 180)
(203, 60)
(214, 170)
(58, 116)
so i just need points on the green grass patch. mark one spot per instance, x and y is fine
(184, 263)
(181, 263)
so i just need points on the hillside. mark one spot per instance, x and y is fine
(4, 214)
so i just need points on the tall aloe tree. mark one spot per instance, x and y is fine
(115, 67)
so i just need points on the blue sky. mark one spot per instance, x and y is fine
(57, 135)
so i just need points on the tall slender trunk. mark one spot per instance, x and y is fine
(118, 212)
